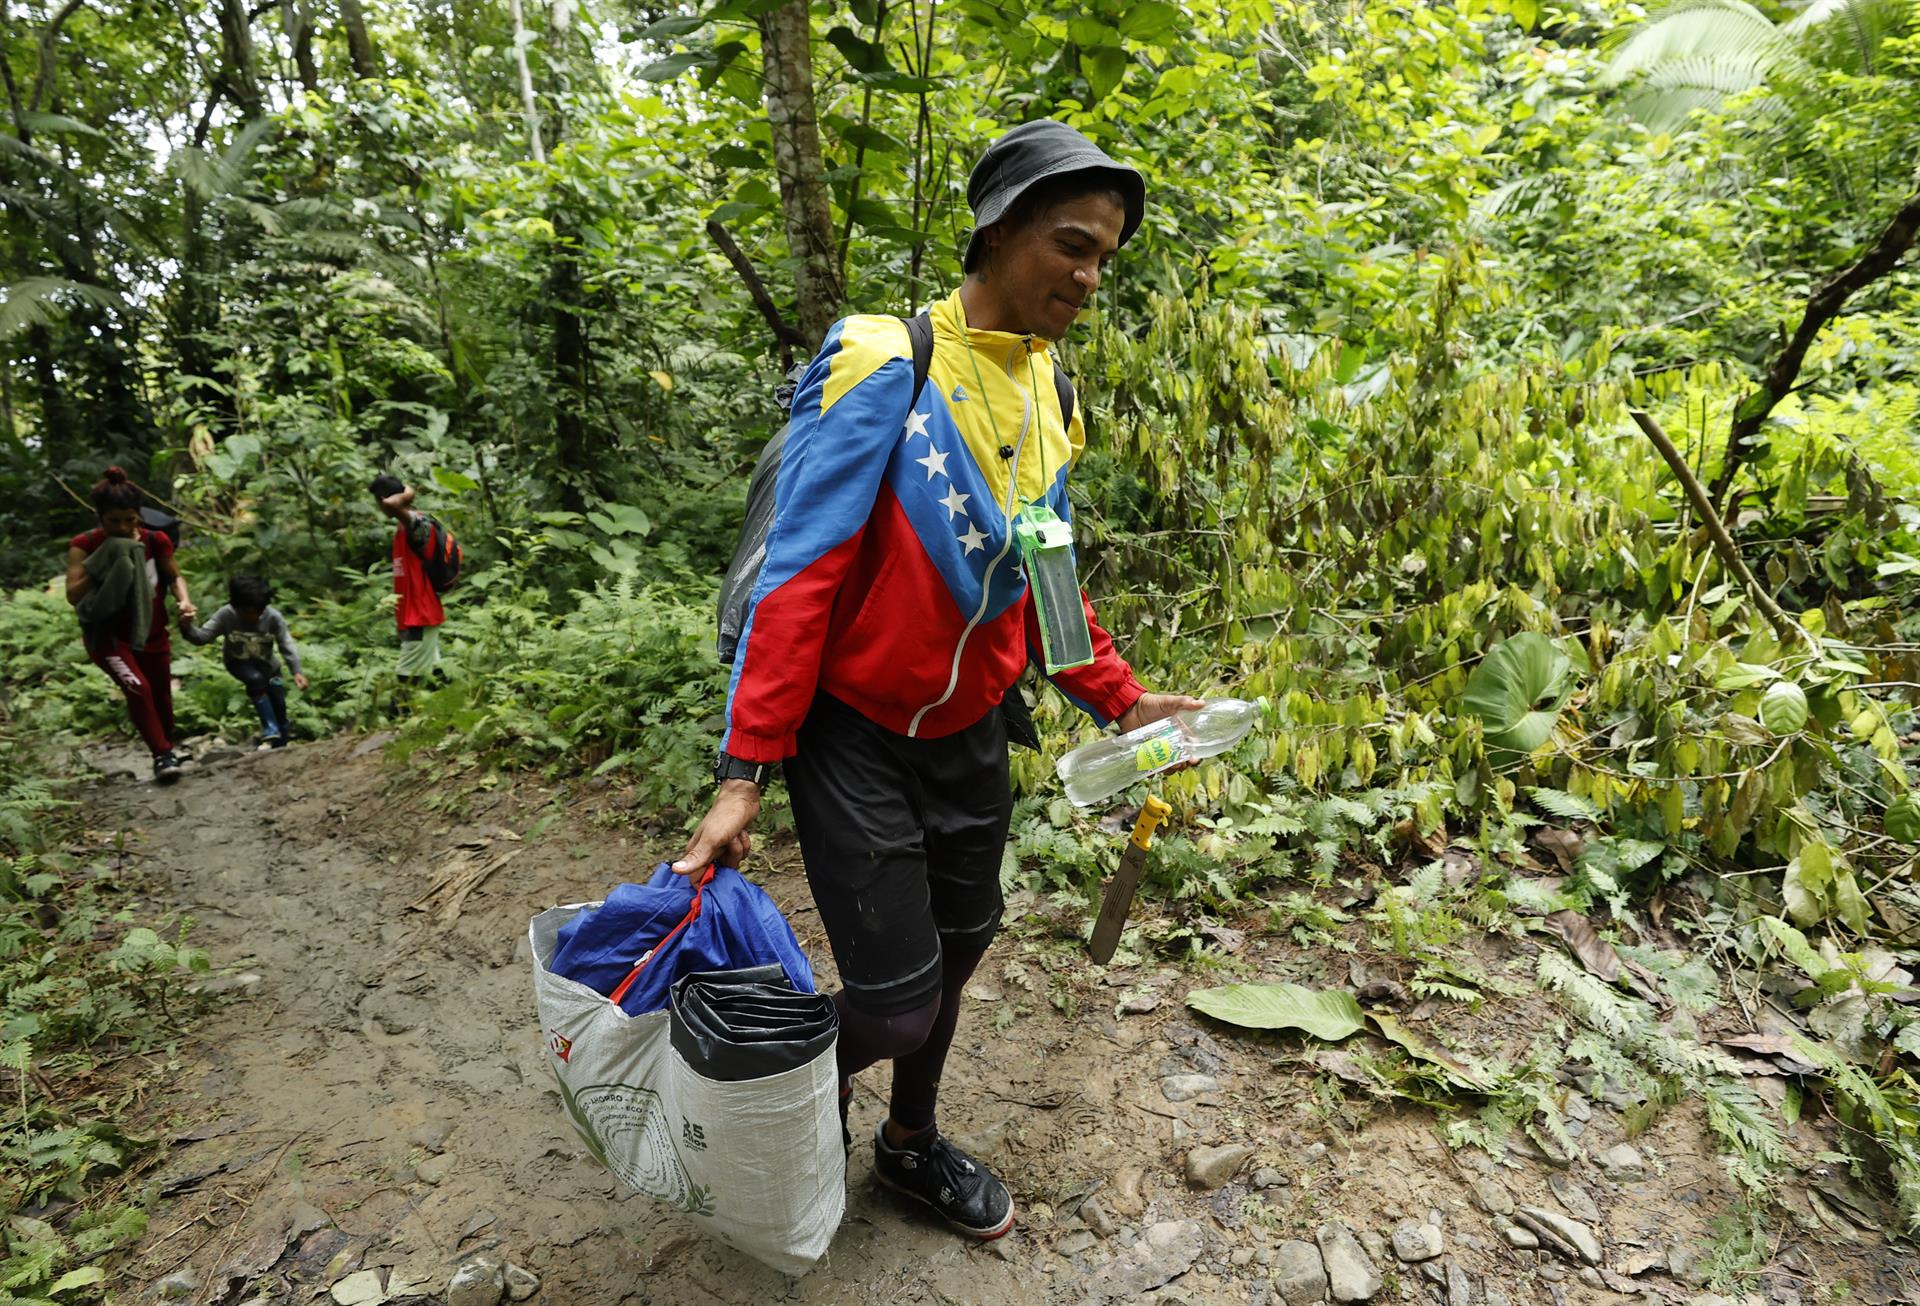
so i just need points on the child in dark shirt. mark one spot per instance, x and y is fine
(250, 628)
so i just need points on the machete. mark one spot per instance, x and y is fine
(1119, 900)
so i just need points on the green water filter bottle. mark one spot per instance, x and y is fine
(1046, 552)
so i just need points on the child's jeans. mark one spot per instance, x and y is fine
(265, 689)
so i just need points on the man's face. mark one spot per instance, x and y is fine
(1051, 267)
(124, 522)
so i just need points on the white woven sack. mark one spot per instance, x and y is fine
(758, 1164)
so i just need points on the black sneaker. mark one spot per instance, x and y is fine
(947, 1179)
(166, 768)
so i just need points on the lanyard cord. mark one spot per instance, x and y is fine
(993, 423)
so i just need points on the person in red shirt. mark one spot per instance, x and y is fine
(144, 674)
(418, 612)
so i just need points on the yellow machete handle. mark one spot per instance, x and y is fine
(1148, 821)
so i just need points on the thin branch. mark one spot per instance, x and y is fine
(1789, 630)
(789, 336)
(43, 77)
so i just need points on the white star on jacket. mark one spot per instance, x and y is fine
(954, 502)
(917, 425)
(934, 462)
(973, 539)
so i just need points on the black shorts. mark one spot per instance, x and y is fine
(903, 840)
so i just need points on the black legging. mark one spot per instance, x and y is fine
(262, 681)
(915, 1041)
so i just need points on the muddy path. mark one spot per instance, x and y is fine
(367, 1107)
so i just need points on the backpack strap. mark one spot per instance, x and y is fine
(920, 336)
(1064, 389)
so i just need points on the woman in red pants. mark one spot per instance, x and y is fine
(144, 673)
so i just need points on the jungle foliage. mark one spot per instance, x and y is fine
(1359, 393)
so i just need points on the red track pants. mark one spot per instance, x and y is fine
(146, 678)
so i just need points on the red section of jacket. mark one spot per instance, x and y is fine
(419, 605)
(893, 646)
(159, 552)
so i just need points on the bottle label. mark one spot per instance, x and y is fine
(1153, 755)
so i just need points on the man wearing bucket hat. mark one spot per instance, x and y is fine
(892, 614)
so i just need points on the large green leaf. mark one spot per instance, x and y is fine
(862, 55)
(1518, 689)
(1104, 66)
(1330, 1015)
(1149, 21)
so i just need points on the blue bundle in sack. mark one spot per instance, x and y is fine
(717, 920)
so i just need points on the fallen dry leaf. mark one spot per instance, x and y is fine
(1595, 953)
(1564, 845)
(1429, 845)
(1775, 1049)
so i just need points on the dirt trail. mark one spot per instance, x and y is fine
(372, 1096)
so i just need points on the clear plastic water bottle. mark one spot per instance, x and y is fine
(1100, 770)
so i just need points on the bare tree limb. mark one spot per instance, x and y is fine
(789, 336)
(13, 91)
(43, 77)
(1822, 307)
(361, 55)
(528, 108)
(1788, 629)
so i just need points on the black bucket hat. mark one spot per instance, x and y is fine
(1033, 152)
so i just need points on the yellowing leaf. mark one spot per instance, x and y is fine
(1330, 1015)
(663, 379)
(1417, 1045)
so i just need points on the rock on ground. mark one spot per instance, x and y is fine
(1351, 1275)
(1568, 1230)
(1184, 1088)
(1491, 1196)
(182, 1283)
(1165, 1251)
(521, 1282)
(1298, 1275)
(1210, 1167)
(479, 1282)
(1623, 1164)
(1094, 1214)
(1578, 1201)
(361, 1288)
(1414, 1241)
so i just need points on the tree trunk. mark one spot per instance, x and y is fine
(579, 485)
(787, 70)
(527, 107)
(298, 21)
(360, 52)
(6, 405)
(238, 67)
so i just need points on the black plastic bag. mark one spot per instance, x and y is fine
(735, 1025)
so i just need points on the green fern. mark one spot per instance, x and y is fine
(1738, 1118)
(1568, 807)
(1618, 1017)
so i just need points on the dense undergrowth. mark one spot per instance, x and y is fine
(1473, 613)
(93, 1002)
(1359, 402)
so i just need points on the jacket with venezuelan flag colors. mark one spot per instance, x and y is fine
(891, 578)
